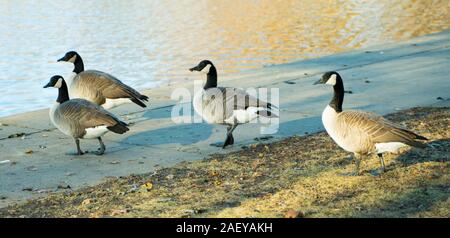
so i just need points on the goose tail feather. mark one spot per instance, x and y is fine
(120, 128)
(267, 113)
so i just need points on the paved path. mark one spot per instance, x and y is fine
(383, 79)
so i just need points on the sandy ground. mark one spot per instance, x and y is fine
(295, 177)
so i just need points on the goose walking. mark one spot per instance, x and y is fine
(360, 132)
(99, 87)
(80, 118)
(225, 105)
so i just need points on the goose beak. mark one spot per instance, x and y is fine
(196, 68)
(62, 59)
(320, 81)
(48, 85)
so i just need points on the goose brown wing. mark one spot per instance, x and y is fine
(378, 129)
(109, 86)
(240, 99)
(82, 114)
(230, 99)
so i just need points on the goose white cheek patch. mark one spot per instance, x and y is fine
(332, 80)
(206, 69)
(59, 83)
(72, 60)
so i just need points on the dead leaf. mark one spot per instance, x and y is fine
(293, 214)
(213, 173)
(147, 186)
(118, 212)
(86, 202)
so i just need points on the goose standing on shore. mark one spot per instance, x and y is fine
(99, 87)
(80, 118)
(226, 106)
(360, 132)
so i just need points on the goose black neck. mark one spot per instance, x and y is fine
(79, 66)
(211, 78)
(338, 97)
(63, 93)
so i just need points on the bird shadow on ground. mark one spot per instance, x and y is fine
(158, 113)
(184, 134)
(436, 151)
(185, 109)
(420, 199)
(300, 126)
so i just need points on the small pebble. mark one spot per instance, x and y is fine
(64, 186)
(118, 212)
(32, 168)
(16, 135)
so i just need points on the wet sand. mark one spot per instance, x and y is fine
(295, 177)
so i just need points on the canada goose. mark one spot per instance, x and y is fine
(99, 87)
(360, 132)
(80, 118)
(226, 106)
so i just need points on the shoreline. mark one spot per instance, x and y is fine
(37, 152)
(187, 83)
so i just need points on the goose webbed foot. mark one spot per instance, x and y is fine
(102, 148)
(382, 168)
(217, 144)
(79, 151)
(228, 141)
(99, 152)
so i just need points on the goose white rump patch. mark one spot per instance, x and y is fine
(244, 116)
(388, 147)
(110, 103)
(95, 132)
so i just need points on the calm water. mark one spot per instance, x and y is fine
(151, 43)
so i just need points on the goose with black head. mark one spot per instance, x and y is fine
(99, 87)
(226, 105)
(362, 133)
(81, 119)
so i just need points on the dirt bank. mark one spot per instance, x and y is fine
(298, 176)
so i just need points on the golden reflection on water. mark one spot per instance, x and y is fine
(272, 32)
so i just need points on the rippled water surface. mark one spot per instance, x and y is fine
(151, 43)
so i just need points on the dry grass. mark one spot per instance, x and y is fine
(302, 175)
